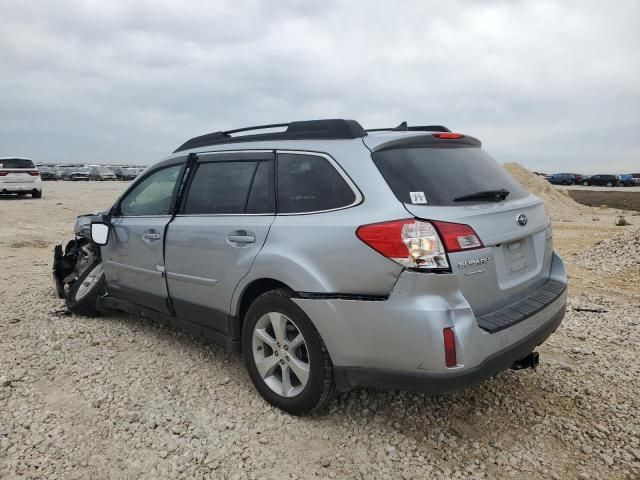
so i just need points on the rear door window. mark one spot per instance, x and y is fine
(16, 163)
(310, 183)
(262, 197)
(439, 175)
(220, 188)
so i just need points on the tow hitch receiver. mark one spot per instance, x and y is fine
(530, 361)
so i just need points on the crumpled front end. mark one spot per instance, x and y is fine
(68, 261)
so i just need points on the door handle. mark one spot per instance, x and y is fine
(241, 236)
(150, 237)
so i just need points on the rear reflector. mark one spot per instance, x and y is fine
(458, 237)
(449, 347)
(448, 136)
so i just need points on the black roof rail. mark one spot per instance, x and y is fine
(331, 129)
(404, 127)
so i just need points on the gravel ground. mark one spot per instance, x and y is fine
(124, 397)
(615, 254)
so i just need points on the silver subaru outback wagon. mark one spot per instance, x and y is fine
(331, 257)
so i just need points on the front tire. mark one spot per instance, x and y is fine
(83, 295)
(285, 356)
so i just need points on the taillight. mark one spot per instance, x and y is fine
(458, 237)
(417, 243)
(448, 135)
(449, 337)
(410, 242)
(34, 173)
(3, 174)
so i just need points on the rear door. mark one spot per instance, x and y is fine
(435, 182)
(222, 224)
(133, 259)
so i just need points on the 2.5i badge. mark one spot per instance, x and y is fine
(417, 197)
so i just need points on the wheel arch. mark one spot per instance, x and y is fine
(249, 293)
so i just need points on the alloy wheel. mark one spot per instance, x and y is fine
(280, 354)
(89, 281)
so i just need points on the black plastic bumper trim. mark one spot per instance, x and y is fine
(523, 309)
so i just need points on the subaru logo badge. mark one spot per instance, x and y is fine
(521, 219)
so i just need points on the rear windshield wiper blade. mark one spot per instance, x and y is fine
(487, 195)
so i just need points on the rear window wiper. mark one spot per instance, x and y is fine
(487, 195)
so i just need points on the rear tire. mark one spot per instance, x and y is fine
(297, 347)
(83, 295)
(37, 194)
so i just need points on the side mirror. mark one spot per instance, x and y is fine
(100, 233)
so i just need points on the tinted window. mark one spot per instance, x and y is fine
(436, 176)
(16, 163)
(220, 187)
(308, 183)
(262, 197)
(153, 195)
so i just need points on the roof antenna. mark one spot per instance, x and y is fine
(402, 127)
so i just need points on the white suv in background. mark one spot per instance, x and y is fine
(20, 175)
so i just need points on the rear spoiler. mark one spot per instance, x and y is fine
(429, 140)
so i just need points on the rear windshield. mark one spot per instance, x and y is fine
(16, 163)
(438, 175)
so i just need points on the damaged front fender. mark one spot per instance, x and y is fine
(70, 261)
(68, 266)
(64, 266)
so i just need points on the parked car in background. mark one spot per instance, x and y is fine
(636, 178)
(20, 176)
(126, 173)
(101, 173)
(75, 173)
(601, 181)
(60, 169)
(626, 180)
(47, 173)
(564, 178)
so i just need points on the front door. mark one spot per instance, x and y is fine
(133, 259)
(221, 227)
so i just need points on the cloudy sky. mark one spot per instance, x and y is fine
(552, 85)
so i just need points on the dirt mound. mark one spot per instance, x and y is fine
(615, 254)
(561, 206)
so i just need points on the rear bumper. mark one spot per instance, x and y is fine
(348, 377)
(398, 342)
(20, 187)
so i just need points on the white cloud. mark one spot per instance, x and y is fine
(553, 85)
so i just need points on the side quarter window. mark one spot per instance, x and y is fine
(310, 183)
(153, 195)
